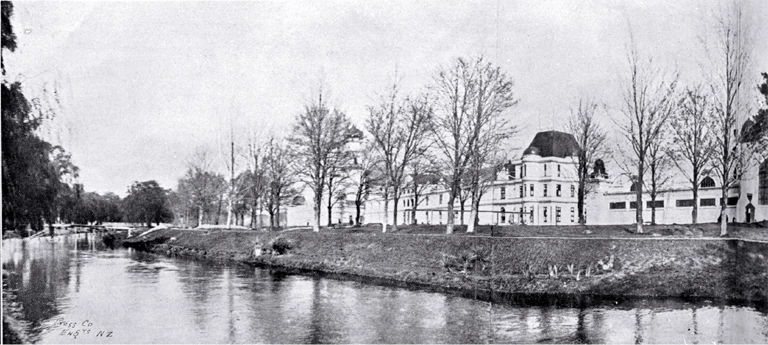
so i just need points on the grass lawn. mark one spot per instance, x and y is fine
(757, 231)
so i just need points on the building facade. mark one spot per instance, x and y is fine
(540, 188)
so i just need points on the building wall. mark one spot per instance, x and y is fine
(539, 209)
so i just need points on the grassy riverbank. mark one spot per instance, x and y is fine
(667, 266)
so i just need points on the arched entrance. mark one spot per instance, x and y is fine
(750, 213)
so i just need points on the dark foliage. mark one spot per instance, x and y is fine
(147, 202)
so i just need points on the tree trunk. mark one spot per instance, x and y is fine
(229, 213)
(357, 212)
(653, 208)
(413, 210)
(395, 200)
(639, 198)
(386, 211)
(695, 211)
(316, 209)
(330, 208)
(723, 216)
(461, 211)
(475, 204)
(199, 215)
(277, 210)
(451, 220)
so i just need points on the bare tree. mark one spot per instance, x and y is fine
(730, 54)
(202, 186)
(319, 132)
(257, 182)
(659, 164)
(367, 174)
(591, 137)
(470, 97)
(423, 175)
(399, 128)
(279, 178)
(647, 105)
(692, 142)
(339, 168)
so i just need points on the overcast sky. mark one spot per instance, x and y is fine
(141, 85)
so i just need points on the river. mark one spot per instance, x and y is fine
(73, 290)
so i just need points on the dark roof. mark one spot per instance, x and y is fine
(553, 144)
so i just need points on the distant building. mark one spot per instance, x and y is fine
(540, 188)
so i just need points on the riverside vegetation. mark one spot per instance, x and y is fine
(726, 269)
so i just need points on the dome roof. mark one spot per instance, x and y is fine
(553, 144)
(532, 150)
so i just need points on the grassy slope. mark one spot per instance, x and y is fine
(674, 267)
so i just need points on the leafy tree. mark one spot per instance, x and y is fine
(32, 168)
(147, 202)
(280, 179)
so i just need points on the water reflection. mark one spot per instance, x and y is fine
(143, 298)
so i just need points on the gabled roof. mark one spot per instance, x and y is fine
(553, 144)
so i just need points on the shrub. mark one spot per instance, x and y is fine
(281, 245)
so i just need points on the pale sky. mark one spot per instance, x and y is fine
(141, 85)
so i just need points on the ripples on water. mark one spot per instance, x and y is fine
(144, 298)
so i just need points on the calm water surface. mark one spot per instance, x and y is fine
(75, 291)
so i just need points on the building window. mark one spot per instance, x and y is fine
(503, 216)
(522, 190)
(441, 200)
(658, 203)
(557, 214)
(708, 202)
(531, 212)
(545, 189)
(732, 201)
(545, 170)
(503, 193)
(707, 182)
(544, 218)
(573, 214)
(684, 203)
(633, 205)
(762, 193)
(573, 191)
(617, 205)
(427, 200)
(531, 189)
(558, 170)
(558, 190)
(523, 172)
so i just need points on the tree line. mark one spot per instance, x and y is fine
(453, 133)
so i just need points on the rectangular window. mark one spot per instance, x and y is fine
(633, 205)
(441, 200)
(684, 203)
(558, 190)
(732, 201)
(427, 200)
(531, 214)
(545, 170)
(573, 214)
(557, 214)
(531, 189)
(708, 202)
(558, 170)
(659, 204)
(573, 191)
(544, 219)
(545, 189)
(503, 193)
(521, 191)
(617, 205)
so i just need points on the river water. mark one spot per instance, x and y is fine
(73, 290)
